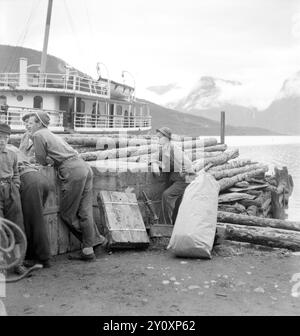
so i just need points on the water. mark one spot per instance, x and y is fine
(274, 151)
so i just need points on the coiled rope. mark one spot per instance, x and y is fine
(7, 245)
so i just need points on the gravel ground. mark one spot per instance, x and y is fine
(238, 280)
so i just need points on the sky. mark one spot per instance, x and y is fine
(158, 42)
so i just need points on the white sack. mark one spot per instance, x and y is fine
(195, 227)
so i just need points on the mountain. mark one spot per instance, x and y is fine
(192, 125)
(183, 123)
(9, 59)
(209, 96)
(283, 115)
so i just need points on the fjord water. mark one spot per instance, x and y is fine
(274, 151)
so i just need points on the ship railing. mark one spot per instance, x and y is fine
(94, 121)
(58, 82)
(14, 114)
(9, 79)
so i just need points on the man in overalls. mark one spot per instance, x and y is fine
(178, 166)
(76, 176)
(10, 202)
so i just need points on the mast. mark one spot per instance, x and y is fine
(46, 37)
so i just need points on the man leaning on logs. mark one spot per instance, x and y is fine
(76, 179)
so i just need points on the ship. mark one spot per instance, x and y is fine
(75, 102)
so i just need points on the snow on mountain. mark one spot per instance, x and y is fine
(290, 87)
(166, 94)
(246, 104)
(208, 92)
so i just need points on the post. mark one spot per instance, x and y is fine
(46, 37)
(222, 130)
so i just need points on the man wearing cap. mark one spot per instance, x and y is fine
(174, 162)
(10, 202)
(76, 180)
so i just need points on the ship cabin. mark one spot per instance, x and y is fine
(75, 102)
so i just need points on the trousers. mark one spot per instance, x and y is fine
(10, 206)
(76, 202)
(170, 196)
(34, 191)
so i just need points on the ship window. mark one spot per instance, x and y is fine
(102, 108)
(38, 102)
(19, 97)
(119, 110)
(3, 100)
(138, 111)
(3, 107)
(82, 106)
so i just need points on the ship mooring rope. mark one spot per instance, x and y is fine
(7, 245)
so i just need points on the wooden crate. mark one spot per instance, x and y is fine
(123, 221)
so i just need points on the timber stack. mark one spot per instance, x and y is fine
(252, 202)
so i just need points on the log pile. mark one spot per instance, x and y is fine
(251, 203)
(246, 177)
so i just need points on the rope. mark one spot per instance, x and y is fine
(8, 242)
(7, 245)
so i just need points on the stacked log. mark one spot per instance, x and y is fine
(246, 207)
(262, 231)
(251, 203)
(233, 174)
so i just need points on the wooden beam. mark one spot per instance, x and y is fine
(226, 217)
(261, 235)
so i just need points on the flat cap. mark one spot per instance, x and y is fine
(43, 117)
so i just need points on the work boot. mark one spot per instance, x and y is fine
(20, 269)
(46, 263)
(30, 263)
(82, 256)
(102, 247)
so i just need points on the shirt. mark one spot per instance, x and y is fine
(46, 144)
(24, 166)
(26, 145)
(175, 160)
(9, 166)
